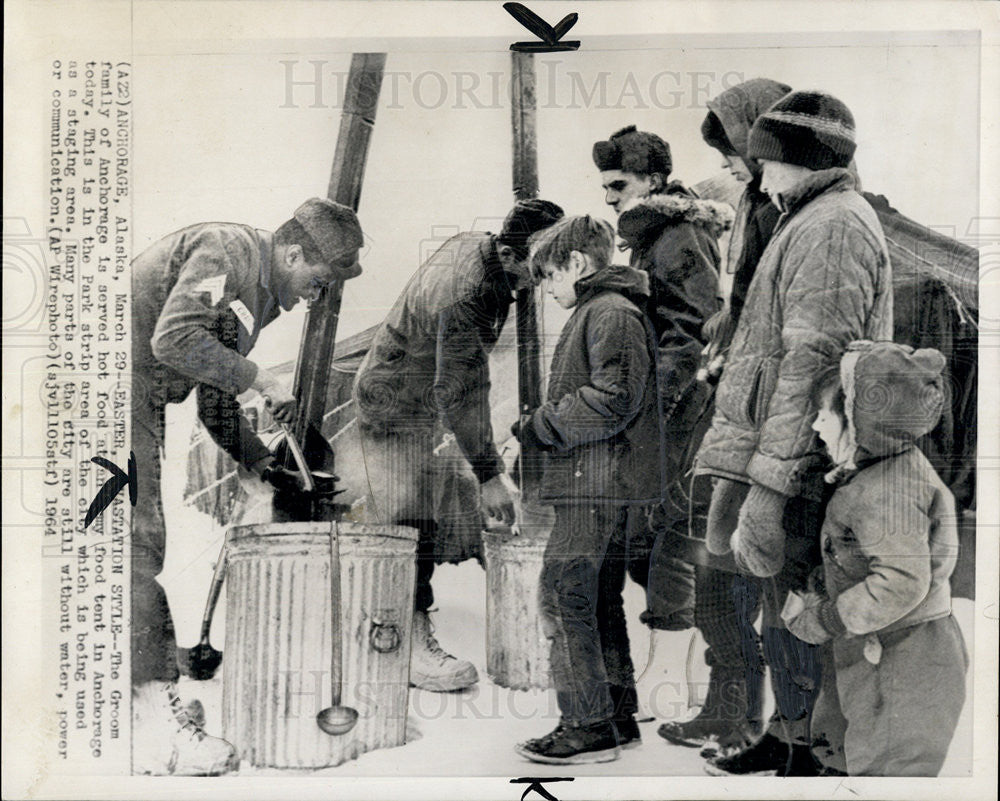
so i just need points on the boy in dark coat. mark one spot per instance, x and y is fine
(200, 297)
(894, 685)
(600, 432)
(726, 602)
(823, 280)
(672, 236)
(429, 361)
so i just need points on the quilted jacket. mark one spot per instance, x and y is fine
(823, 280)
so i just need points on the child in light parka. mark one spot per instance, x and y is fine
(894, 684)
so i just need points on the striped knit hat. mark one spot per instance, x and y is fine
(811, 129)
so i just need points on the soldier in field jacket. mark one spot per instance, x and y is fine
(200, 298)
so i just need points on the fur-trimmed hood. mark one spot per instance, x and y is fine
(642, 219)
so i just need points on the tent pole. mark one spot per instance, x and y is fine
(525, 183)
(319, 332)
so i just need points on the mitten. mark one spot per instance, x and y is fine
(812, 617)
(759, 540)
(723, 512)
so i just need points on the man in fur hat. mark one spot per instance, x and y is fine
(673, 236)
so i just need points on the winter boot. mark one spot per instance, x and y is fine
(722, 719)
(167, 742)
(649, 687)
(623, 700)
(769, 756)
(574, 745)
(433, 668)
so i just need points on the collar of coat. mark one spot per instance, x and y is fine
(627, 281)
(834, 179)
(494, 276)
(643, 219)
(266, 258)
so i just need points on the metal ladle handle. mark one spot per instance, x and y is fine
(300, 459)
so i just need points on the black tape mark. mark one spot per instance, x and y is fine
(549, 35)
(535, 785)
(118, 481)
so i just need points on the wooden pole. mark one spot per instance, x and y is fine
(525, 181)
(319, 333)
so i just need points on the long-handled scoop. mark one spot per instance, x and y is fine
(308, 484)
(336, 718)
(203, 660)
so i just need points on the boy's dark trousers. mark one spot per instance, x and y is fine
(583, 575)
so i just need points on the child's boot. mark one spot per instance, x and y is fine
(574, 745)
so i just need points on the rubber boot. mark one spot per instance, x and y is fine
(659, 690)
(725, 721)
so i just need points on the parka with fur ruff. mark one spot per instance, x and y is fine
(673, 237)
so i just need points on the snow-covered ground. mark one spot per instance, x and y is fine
(470, 733)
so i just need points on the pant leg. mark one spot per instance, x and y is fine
(828, 726)
(637, 547)
(569, 590)
(399, 470)
(726, 605)
(796, 666)
(796, 677)
(611, 621)
(669, 582)
(423, 598)
(154, 647)
(902, 713)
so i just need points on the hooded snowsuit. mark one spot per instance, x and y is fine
(673, 238)
(601, 424)
(894, 688)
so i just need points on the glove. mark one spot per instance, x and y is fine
(759, 540)
(279, 400)
(718, 330)
(281, 478)
(812, 617)
(723, 510)
(524, 430)
(816, 582)
(497, 499)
